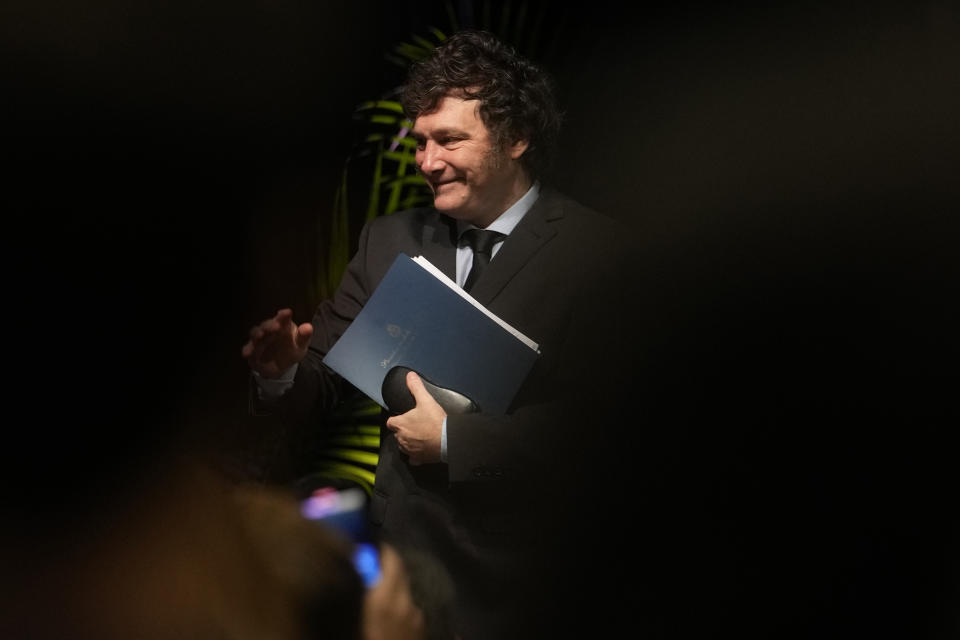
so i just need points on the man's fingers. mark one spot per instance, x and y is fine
(302, 337)
(283, 318)
(269, 325)
(393, 424)
(275, 343)
(254, 343)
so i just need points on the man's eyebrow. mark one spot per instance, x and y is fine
(443, 132)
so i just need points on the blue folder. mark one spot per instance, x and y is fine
(415, 320)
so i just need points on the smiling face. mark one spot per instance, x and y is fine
(470, 177)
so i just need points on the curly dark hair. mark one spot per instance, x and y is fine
(516, 97)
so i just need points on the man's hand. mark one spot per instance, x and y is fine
(276, 344)
(418, 431)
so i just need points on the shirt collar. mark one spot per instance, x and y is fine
(510, 218)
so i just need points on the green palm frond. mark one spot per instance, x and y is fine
(417, 48)
(386, 153)
(343, 471)
(358, 456)
(355, 440)
(386, 105)
(356, 415)
(350, 444)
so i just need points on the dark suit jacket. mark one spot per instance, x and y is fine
(482, 512)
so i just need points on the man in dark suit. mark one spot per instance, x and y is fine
(484, 494)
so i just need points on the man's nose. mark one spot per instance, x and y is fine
(430, 158)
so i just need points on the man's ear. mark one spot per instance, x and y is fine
(518, 148)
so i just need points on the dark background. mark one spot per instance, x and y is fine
(789, 172)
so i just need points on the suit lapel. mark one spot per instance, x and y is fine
(439, 244)
(534, 231)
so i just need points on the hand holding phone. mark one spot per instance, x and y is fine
(344, 510)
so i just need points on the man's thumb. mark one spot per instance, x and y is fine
(415, 384)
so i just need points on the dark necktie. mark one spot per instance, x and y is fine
(481, 241)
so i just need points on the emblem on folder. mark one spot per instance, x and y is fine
(401, 334)
(397, 331)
